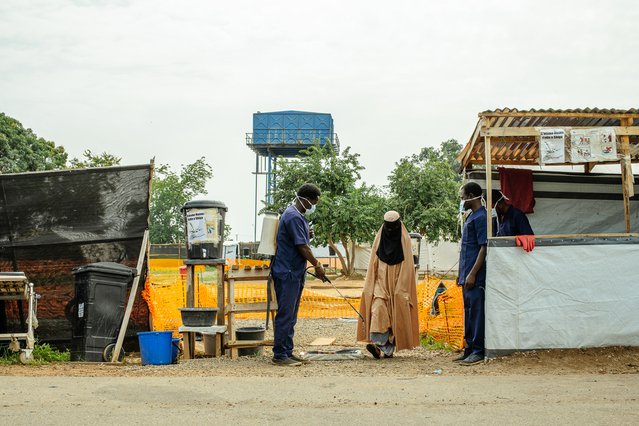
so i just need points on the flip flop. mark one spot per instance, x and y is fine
(374, 350)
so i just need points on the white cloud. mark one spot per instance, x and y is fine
(178, 80)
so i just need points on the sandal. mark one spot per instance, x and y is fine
(374, 350)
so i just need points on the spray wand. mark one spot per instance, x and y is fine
(326, 280)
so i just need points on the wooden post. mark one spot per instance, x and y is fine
(220, 306)
(132, 293)
(489, 179)
(627, 179)
(231, 323)
(190, 284)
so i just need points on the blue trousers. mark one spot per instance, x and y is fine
(288, 292)
(474, 319)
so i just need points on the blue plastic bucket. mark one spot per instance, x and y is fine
(155, 347)
(175, 349)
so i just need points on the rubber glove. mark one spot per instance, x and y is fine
(527, 242)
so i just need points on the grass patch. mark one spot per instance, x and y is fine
(431, 344)
(42, 354)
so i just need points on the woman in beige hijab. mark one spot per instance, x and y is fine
(389, 299)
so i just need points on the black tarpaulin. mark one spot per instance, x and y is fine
(52, 222)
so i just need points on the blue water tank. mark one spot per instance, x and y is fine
(288, 132)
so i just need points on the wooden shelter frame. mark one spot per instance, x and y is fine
(512, 138)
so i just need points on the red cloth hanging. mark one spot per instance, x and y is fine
(517, 186)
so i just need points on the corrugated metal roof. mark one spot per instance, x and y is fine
(562, 111)
(524, 149)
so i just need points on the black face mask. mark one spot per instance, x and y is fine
(390, 249)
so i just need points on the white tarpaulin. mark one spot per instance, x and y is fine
(568, 296)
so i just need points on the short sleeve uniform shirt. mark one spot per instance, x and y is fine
(473, 238)
(292, 232)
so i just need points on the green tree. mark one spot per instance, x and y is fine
(449, 150)
(169, 192)
(424, 190)
(21, 150)
(94, 160)
(348, 213)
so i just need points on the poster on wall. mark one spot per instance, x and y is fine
(593, 145)
(552, 146)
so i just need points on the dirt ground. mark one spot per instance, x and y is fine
(414, 363)
(592, 386)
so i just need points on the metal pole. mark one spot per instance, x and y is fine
(257, 166)
(274, 181)
(268, 180)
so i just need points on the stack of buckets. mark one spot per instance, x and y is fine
(158, 347)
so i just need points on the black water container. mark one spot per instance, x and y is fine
(204, 222)
(250, 333)
(98, 308)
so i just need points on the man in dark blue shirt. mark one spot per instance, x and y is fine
(472, 272)
(289, 271)
(509, 220)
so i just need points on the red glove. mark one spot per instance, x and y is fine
(525, 241)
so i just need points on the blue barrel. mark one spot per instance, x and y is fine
(155, 347)
(175, 349)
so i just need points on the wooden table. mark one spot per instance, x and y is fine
(231, 308)
(220, 329)
(189, 338)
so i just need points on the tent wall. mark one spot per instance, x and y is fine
(439, 258)
(564, 294)
(571, 203)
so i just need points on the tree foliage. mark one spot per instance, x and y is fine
(348, 212)
(21, 150)
(169, 192)
(94, 160)
(424, 190)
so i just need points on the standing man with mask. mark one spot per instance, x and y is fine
(472, 272)
(289, 271)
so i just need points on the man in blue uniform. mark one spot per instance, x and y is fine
(289, 271)
(510, 221)
(472, 272)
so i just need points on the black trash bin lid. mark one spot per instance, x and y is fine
(204, 204)
(106, 268)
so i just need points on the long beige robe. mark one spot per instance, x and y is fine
(389, 299)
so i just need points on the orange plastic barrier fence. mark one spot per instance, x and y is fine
(165, 293)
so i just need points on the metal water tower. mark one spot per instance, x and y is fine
(285, 134)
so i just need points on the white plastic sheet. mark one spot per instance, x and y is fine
(568, 296)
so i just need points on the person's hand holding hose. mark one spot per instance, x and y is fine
(319, 271)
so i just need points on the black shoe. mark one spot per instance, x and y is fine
(388, 356)
(472, 359)
(462, 357)
(374, 350)
(300, 359)
(286, 362)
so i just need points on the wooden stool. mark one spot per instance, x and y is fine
(189, 338)
(259, 273)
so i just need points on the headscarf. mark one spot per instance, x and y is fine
(390, 242)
